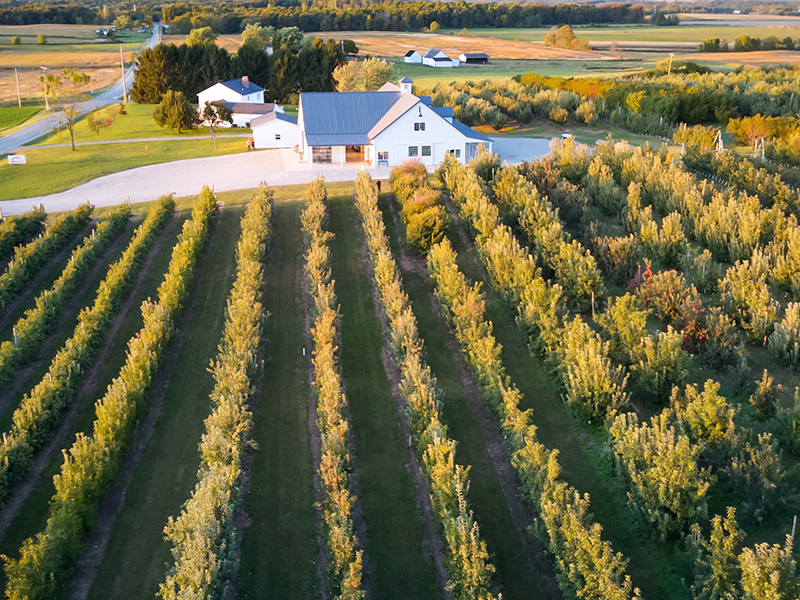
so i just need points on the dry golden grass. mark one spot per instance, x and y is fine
(74, 32)
(61, 60)
(749, 59)
(395, 44)
(31, 87)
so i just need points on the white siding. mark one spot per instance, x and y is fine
(439, 135)
(415, 58)
(223, 92)
(264, 135)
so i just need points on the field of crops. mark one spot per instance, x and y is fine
(540, 382)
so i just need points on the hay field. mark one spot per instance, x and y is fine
(389, 43)
(31, 87)
(748, 59)
(56, 34)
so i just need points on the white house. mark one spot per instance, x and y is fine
(383, 128)
(275, 130)
(436, 58)
(413, 57)
(235, 90)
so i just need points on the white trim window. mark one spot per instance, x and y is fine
(321, 154)
(419, 126)
(413, 151)
(426, 151)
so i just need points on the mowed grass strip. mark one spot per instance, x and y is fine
(279, 546)
(400, 569)
(133, 564)
(33, 515)
(514, 575)
(580, 454)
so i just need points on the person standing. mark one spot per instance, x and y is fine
(378, 185)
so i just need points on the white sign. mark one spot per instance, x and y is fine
(16, 159)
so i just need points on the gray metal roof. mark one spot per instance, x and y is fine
(432, 53)
(343, 118)
(273, 116)
(469, 132)
(249, 108)
(411, 53)
(406, 79)
(444, 111)
(475, 55)
(237, 85)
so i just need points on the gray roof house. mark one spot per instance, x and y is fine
(385, 127)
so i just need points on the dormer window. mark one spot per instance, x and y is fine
(419, 126)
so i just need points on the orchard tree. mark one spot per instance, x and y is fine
(717, 571)
(215, 114)
(66, 92)
(769, 572)
(765, 399)
(175, 112)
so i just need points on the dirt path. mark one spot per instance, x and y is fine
(19, 497)
(432, 541)
(8, 313)
(97, 540)
(521, 513)
(68, 314)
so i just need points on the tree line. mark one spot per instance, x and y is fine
(294, 66)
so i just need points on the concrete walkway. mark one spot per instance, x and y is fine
(187, 177)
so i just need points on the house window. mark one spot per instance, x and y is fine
(419, 126)
(383, 158)
(321, 154)
(413, 151)
(456, 153)
(277, 136)
(426, 151)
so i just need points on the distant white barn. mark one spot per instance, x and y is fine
(413, 57)
(436, 58)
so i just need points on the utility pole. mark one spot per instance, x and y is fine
(122, 68)
(19, 98)
(44, 82)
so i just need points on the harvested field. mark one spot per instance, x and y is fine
(383, 43)
(750, 59)
(31, 87)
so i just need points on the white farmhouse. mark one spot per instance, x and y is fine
(436, 58)
(413, 57)
(383, 128)
(235, 90)
(275, 130)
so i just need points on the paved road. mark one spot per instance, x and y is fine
(225, 173)
(187, 177)
(112, 95)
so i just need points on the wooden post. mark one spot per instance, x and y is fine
(19, 97)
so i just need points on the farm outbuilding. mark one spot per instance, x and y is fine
(275, 130)
(413, 57)
(474, 58)
(436, 58)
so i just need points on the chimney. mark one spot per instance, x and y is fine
(246, 81)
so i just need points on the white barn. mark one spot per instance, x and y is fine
(436, 58)
(413, 57)
(245, 112)
(275, 130)
(383, 128)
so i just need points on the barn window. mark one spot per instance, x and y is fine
(419, 126)
(426, 151)
(413, 151)
(277, 136)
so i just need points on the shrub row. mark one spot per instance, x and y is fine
(424, 216)
(587, 565)
(592, 385)
(34, 326)
(28, 259)
(468, 560)
(344, 562)
(203, 536)
(36, 419)
(17, 230)
(46, 560)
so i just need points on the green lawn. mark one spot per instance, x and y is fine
(33, 515)
(425, 76)
(279, 545)
(137, 124)
(514, 574)
(51, 170)
(11, 116)
(135, 559)
(400, 569)
(540, 128)
(639, 33)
